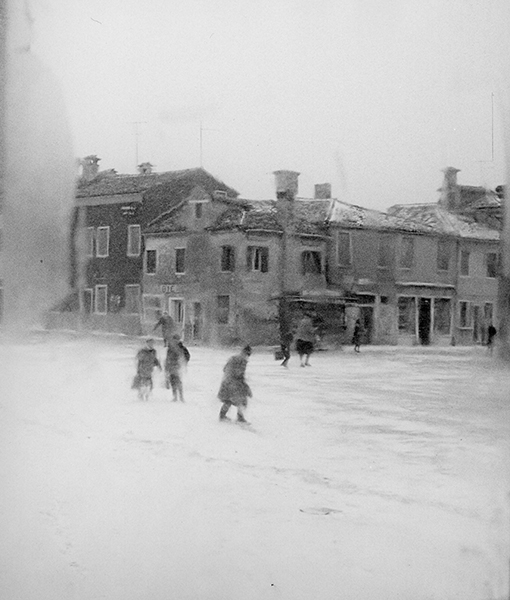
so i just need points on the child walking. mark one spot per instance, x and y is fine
(234, 391)
(177, 358)
(147, 360)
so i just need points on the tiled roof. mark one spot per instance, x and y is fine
(443, 221)
(309, 217)
(358, 217)
(108, 184)
(478, 197)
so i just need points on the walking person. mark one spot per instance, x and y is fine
(177, 358)
(147, 360)
(234, 390)
(305, 339)
(167, 325)
(285, 344)
(356, 336)
(491, 334)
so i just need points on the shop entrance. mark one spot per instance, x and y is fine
(424, 313)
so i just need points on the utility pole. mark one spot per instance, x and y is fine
(137, 136)
(202, 129)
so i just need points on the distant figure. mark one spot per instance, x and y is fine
(177, 358)
(146, 361)
(285, 344)
(167, 325)
(356, 336)
(491, 334)
(305, 338)
(234, 391)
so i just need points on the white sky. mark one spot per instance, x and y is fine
(374, 97)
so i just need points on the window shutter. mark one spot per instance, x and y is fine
(264, 260)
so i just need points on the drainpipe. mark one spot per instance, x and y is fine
(455, 298)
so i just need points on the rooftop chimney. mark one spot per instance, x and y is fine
(322, 191)
(286, 184)
(89, 167)
(145, 168)
(450, 192)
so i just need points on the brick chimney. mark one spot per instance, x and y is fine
(286, 184)
(450, 192)
(89, 167)
(322, 191)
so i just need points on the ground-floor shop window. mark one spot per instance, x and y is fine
(406, 314)
(442, 315)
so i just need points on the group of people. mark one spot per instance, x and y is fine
(306, 336)
(234, 389)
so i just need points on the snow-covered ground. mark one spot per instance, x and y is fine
(376, 476)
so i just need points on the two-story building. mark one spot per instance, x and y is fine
(221, 272)
(465, 256)
(111, 213)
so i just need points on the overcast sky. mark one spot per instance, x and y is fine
(373, 96)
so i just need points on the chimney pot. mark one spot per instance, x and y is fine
(89, 167)
(286, 183)
(322, 191)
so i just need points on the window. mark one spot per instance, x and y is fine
(87, 296)
(180, 259)
(464, 262)
(132, 299)
(343, 248)
(442, 312)
(134, 243)
(228, 263)
(443, 255)
(199, 206)
(492, 260)
(151, 307)
(257, 258)
(102, 242)
(464, 314)
(311, 262)
(406, 253)
(223, 309)
(151, 260)
(101, 296)
(385, 251)
(488, 312)
(176, 310)
(89, 241)
(406, 314)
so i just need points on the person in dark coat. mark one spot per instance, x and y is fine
(356, 336)
(491, 334)
(167, 325)
(234, 390)
(285, 344)
(305, 339)
(147, 360)
(177, 358)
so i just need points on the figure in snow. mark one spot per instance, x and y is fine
(167, 325)
(177, 358)
(491, 334)
(234, 391)
(356, 335)
(147, 360)
(305, 339)
(285, 344)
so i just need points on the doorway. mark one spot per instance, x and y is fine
(477, 325)
(424, 319)
(366, 316)
(196, 322)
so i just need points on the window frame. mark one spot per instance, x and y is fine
(260, 255)
(312, 254)
(132, 228)
(138, 299)
(181, 251)
(101, 228)
(406, 239)
(349, 248)
(228, 257)
(463, 253)
(146, 261)
(97, 288)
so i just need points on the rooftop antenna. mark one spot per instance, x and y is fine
(137, 136)
(202, 129)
